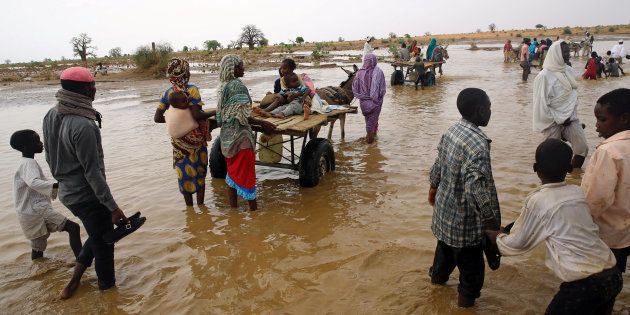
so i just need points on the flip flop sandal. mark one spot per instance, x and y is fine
(135, 222)
(493, 256)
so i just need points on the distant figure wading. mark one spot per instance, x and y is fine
(555, 102)
(369, 88)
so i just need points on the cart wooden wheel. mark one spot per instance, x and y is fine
(217, 165)
(317, 159)
(398, 77)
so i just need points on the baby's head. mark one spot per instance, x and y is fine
(291, 80)
(553, 161)
(594, 54)
(178, 99)
(26, 141)
(612, 112)
(608, 53)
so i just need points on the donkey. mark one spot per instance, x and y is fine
(339, 95)
(440, 54)
(342, 94)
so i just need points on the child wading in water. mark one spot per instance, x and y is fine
(464, 198)
(189, 138)
(606, 181)
(557, 214)
(32, 193)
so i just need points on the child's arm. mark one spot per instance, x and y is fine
(199, 114)
(435, 175)
(158, 117)
(32, 176)
(527, 232)
(600, 182)
(480, 191)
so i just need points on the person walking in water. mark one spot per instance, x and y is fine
(369, 88)
(367, 48)
(464, 198)
(72, 143)
(555, 102)
(525, 58)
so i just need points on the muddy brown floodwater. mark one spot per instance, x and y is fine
(360, 242)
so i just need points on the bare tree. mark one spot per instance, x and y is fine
(82, 46)
(115, 52)
(492, 27)
(251, 36)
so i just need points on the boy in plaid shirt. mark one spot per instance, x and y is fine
(464, 197)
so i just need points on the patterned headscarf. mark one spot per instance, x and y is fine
(178, 72)
(226, 73)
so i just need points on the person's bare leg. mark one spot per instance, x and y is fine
(74, 236)
(273, 105)
(370, 137)
(188, 199)
(577, 161)
(201, 196)
(253, 205)
(75, 281)
(232, 196)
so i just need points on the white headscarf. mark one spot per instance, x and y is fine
(554, 63)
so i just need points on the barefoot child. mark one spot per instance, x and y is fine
(294, 96)
(558, 215)
(32, 193)
(190, 153)
(464, 197)
(606, 181)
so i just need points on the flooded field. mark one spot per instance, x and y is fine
(360, 242)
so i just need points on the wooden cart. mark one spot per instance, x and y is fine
(402, 69)
(316, 156)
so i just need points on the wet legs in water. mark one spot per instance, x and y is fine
(200, 198)
(253, 205)
(526, 70)
(74, 236)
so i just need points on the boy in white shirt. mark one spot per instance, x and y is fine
(32, 194)
(558, 214)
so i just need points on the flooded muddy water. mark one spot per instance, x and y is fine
(359, 242)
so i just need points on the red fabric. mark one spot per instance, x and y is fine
(591, 69)
(242, 168)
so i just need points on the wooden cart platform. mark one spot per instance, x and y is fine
(316, 157)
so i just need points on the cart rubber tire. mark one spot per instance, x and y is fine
(217, 164)
(398, 78)
(317, 159)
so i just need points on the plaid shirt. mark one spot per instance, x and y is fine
(466, 199)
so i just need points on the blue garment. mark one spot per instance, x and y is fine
(532, 50)
(431, 47)
(277, 86)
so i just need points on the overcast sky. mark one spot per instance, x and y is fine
(38, 29)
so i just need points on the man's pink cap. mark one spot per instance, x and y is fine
(78, 74)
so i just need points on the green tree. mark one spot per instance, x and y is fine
(566, 31)
(392, 35)
(492, 27)
(185, 49)
(299, 40)
(212, 45)
(539, 26)
(7, 61)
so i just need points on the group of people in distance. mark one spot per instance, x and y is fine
(606, 66)
(596, 66)
(586, 229)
